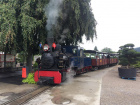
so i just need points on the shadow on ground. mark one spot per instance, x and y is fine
(17, 80)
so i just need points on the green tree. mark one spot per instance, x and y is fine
(8, 27)
(23, 24)
(95, 48)
(128, 56)
(32, 22)
(75, 20)
(108, 50)
(8, 24)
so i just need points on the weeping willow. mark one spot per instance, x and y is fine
(77, 17)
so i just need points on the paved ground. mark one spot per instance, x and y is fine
(9, 74)
(117, 91)
(11, 86)
(81, 90)
(93, 88)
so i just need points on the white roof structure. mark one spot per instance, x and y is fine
(1, 52)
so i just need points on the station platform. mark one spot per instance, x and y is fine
(118, 91)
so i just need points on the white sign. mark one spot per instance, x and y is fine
(9, 58)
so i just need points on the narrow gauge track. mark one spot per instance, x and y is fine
(27, 97)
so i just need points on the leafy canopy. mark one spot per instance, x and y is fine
(106, 49)
(8, 24)
(95, 48)
(22, 24)
(128, 56)
(77, 18)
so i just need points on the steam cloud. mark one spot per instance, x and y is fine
(65, 31)
(70, 75)
(52, 13)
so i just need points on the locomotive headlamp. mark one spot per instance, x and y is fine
(54, 45)
(45, 47)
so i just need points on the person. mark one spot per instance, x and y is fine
(40, 45)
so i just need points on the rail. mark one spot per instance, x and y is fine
(20, 100)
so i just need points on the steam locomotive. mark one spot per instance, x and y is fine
(56, 61)
(54, 64)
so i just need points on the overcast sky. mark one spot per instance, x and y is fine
(118, 24)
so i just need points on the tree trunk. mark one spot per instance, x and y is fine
(5, 52)
(29, 62)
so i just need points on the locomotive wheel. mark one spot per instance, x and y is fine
(86, 70)
(106, 66)
(96, 68)
(39, 83)
(92, 69)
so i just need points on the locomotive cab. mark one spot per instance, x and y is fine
(76, 57)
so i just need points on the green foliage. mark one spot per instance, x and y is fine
(128, 56)
(32, 23)
(29, 79)
(95, 48)
(22, 24)
(35, 66)
(130, 45)
(137, 65)
(22, 57)
(106, 49)
(77, 17)
(8, 24)
(123, 61)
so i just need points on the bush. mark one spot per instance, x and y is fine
(29, 79)
(137, 65)
(128, 56)
(35, 66)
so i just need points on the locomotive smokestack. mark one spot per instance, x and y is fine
(50, 41)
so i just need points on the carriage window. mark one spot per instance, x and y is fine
(87, 54)
(93, 56)
(100, 56)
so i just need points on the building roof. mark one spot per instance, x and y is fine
(89, 51)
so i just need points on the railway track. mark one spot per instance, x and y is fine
(27, 97)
